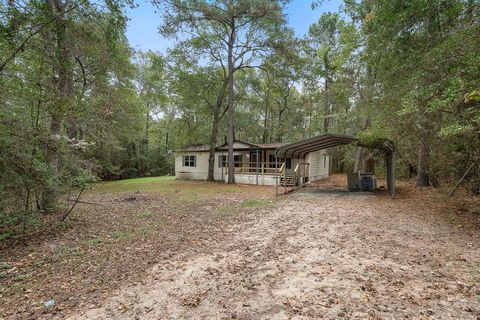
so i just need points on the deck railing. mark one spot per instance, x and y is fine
(261, 168)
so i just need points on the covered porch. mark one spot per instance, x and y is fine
(266, 172)
(258, 164)
(254, 163)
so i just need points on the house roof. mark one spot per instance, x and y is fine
(254, 145)
(328, 140)
(271, 145)
(246, 146)
(194, 148)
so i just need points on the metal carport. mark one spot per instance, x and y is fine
(328, 140)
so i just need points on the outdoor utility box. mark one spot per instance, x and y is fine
(353, 182)
(361, 182)
(367, 182)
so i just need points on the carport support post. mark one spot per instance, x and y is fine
(256, 170)
(390, 174)
(276, 175)
(223, 165)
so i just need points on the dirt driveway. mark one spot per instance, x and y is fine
(311, 257)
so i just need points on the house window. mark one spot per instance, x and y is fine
(288, 163)
(189, 161)
(324, 161)
(271, 159)
(237, 159)
(222, 161)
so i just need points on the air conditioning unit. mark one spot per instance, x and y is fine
(361, 182)
(368, 182)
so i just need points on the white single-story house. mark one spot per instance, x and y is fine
(254, 164)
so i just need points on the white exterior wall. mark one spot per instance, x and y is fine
(200, 171)
(265, 180)
(319, 165)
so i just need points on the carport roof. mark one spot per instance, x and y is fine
(328, 140)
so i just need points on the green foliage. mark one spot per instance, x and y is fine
(424, 59)
(68, 106)
(18, 223)
(370, 135)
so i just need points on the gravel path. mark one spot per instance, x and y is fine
(313, 257)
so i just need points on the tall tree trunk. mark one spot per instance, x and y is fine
(50, 191)
(369, 164)
(144, 149)
(361, 150)
(358, 160)
(230, 111)
(216, 122)
(71, 125)
(423, 179)
(147, 130)
(326, 107)
(265, 125)
(64, 91)
(279, 128)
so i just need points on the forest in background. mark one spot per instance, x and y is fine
(77, 104)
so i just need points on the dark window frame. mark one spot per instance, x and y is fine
(189, 161)
(237, 160)
(271, 159)
(222, 159)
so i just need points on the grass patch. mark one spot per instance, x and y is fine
(179, 188)
(147, 213)
(139, 181)
(133, 234)
(189, 199)
(5, 266)
(161, 184)
(224, 211)
(123, 235)
(65, 251)
(95, 240)
(23, 277)
(3, 289)
(231, 189)
(256, 203)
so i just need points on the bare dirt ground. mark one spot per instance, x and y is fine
(317, 256)
(157, 248)
(113, 239)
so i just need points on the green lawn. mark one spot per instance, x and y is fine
(160, 184)
(168, 185)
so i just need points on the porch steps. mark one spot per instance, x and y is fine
(288, 181)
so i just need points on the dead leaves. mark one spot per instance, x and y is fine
(193, 299)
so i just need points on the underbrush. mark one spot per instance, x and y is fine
(15, 224)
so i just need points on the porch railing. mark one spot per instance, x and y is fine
(260, 168)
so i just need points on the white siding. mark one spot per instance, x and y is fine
(319, 165)
(266, 180)
(200, 171)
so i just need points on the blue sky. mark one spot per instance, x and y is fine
(142, 30)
